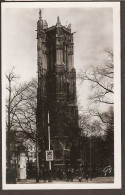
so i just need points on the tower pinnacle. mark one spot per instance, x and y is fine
(58, 21)
(40, 14)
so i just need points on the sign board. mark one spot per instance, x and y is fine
(49, 155)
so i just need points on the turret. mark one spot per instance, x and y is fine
(40, 22)
(45, 25)
(58, 22)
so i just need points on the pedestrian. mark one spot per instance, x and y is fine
(49, 175)
(40, 175)
(54, 174)
(80, 175)
(86, 177)
(68, 174)
(71, 174)
(59, 174)
(45, 175)
(76, 173)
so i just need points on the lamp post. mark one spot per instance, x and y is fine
(50, 171)
(49, 139)
(90, 159)
(37, 152)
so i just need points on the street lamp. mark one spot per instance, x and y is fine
(90, 158)
(37, 151)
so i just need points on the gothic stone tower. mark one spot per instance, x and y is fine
(57, 92)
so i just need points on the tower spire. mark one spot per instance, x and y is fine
(40, 14)
(58, 21)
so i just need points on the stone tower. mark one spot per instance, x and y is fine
(57, 92)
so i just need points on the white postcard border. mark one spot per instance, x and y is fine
(117, 98)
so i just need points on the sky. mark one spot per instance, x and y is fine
(94, 28)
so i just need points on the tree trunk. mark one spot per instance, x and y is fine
(8, 128)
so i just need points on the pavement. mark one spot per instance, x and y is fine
(94, 180)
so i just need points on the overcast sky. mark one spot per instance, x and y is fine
(94, 28)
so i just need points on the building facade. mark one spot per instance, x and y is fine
(57, 93)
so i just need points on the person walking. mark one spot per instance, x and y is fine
(80, 175)
(60, 174)
(86, 177)
(45, 175)
(54, 174)
(68, 174)
(71, 174)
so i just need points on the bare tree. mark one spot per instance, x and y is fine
(11, 77)
(101, 79)
(25, 114)
(99, 122)
(15, 107)
(105, 117)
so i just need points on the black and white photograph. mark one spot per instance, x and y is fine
(61, 106)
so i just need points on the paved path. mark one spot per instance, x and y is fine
(95, 180)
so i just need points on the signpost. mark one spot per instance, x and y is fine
(49, 153)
